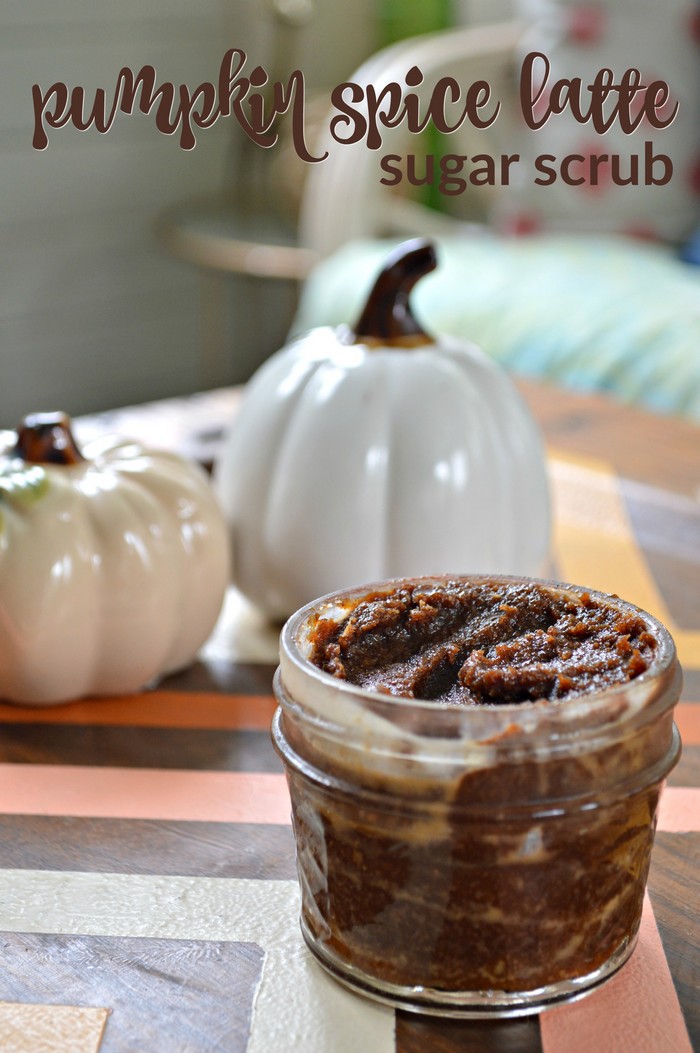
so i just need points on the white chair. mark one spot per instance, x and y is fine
(343, 196)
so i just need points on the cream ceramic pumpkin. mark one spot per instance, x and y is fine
(378, 452)
(113, 564)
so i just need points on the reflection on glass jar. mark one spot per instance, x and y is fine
(472, 859)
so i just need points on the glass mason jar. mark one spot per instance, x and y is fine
(484, 860)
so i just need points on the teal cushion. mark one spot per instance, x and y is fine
(590, 313)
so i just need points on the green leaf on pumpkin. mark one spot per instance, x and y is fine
(23, 486)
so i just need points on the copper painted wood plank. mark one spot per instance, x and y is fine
(147, 846)
(161, 708)
(164, 995)
(679, 810)
(143, 793)
(138, 747)
(687, 717)
(204, 796)
(637, 1009)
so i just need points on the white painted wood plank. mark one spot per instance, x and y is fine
(297, 1006)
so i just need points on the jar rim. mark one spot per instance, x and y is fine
(588, 701)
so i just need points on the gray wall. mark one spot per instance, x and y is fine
(93, 312)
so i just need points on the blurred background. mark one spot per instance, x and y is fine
(132, 270)
(98, 307)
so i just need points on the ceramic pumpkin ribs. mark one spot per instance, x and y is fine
(380, 452)
(113, 564)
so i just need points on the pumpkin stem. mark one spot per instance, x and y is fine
(46, 438)
(387, 316)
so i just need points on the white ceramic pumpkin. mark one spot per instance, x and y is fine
(113, 564)
(378, 452)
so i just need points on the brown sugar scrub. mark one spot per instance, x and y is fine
(474, 767)
(484, 642)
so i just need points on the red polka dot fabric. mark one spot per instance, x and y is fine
(574, 177)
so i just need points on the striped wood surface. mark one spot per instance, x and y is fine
(147, 885)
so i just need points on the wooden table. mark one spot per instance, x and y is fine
(147, 890)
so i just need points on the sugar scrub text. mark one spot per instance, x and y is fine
(363, 113)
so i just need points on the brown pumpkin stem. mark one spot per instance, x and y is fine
(387, 316)
(46, 438)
